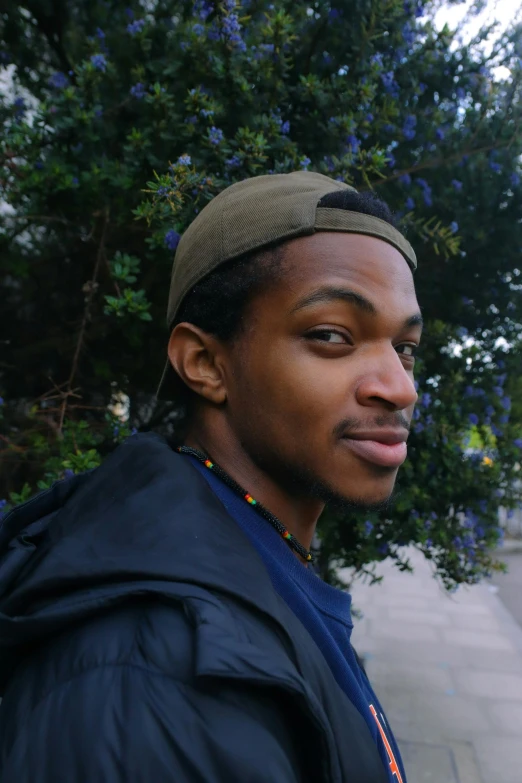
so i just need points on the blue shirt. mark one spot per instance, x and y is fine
(325, 612)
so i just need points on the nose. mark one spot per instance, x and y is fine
(386, 382)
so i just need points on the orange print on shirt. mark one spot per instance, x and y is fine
(394, 768)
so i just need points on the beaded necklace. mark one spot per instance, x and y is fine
(229, 481)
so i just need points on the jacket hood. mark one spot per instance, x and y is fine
(143, 522)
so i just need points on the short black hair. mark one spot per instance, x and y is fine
(217, 304)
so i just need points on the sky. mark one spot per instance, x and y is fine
(503, 11)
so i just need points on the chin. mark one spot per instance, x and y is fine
(366, 495)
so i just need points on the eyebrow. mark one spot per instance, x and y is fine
(333, 294)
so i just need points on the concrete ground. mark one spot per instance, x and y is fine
(448, 672)
(510, 584)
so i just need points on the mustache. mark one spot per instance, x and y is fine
(395, 421)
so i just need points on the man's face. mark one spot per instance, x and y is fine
(321, 390)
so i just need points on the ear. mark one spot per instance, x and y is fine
(197, 358)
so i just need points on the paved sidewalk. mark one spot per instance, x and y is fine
(448, 672)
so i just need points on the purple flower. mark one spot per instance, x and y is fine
(514, 179)
(130, 13)
(389, 83)
(454, 227)
(100, 34)
(134, 431)
(68, 473)
(138, 91)
(368, 527)
(304, 162)
(504, 419)
(422, 88)
(1, 401)
(518, 443)
(473, 418)
(408, 128)
(506, 403)
(136, 27)
(352, 143)
(233, 162)
(418, 428)
(457, 541)
(215, 135)
(58, 80)
(439, 133)
(405, 179)
(206, 112)
(496, 431)
(427, 198)
(75, 181)
(203, 9)
(429, 543)
(426, 400)
(198, 29)
(162, 191)
(368, 117)
(490, 410)
(184, 160)
(494, 166)
(285, 128)
(383, 549)
(171, 239)
(410, 204)
(457, 184)
(99, 62)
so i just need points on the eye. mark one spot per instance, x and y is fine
(407, 349)
(329, 336)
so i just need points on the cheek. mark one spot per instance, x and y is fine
(297, 388)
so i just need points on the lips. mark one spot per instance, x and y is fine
(384, 448)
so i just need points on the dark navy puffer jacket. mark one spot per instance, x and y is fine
(141, 641)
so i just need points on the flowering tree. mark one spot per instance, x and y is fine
(122, 122)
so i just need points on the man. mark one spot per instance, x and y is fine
(159, 618)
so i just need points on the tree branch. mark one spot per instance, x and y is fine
(100, 256)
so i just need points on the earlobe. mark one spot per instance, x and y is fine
(195, 356)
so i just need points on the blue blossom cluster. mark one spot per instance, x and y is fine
(203, 9)
(184, 160)
(215, 135)
(136, 26)
(426, 191)
(352, 144)
(231, 30)
(408, 129)
(172, 239)
(58, 80)
(99, 62)
(233, 163)
(390, 85)
(138, 91)
(304, 162)
(19, 108)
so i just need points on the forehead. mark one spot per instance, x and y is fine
(371, 266)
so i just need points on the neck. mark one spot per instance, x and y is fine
(298, 514)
